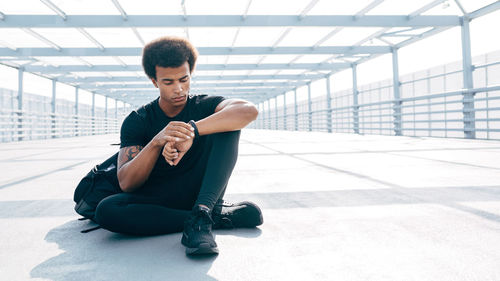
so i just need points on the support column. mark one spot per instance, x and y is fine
(328, 105)
(284, 112)
(20, 92)
(77, 130)
(53, 110)
(309, 106)
(468, 97)
(397, 96)
(355, 94)
(295, 110)
(93, 114)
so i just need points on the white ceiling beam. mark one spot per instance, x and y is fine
(54, 8)
(41, 38)
(205, 51)
(138, 35)
(307, 9)
(426, 8)
(464, 12)
(245, 14)
(120, 9)
(107, 21)
(362, 12)
(92, 39)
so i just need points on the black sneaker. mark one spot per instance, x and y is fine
(197, 235)
(243, 214)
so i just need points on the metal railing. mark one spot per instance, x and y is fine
(431, 104)
(23, 125)
(379, 117)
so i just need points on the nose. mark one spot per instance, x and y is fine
(178, 88)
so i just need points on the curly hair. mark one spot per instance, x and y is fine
(168, 51)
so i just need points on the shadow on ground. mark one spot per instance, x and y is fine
(103, 255)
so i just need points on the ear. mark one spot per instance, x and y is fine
(154, 82)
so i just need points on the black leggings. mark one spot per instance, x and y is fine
(137, 214)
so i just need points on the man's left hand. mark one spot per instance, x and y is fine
(174, 151)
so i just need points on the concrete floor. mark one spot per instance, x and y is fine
(336, 207)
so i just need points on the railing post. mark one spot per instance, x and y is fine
(53, 109)
(276, 113)
(309, 106)
(284, 112)
(355, 94)
(269, 113)
(295, 110)
(93, 114)
(106, 114)
(468, 96)
(20, 92)
(116, 116)
(397, 95)
(263, 118)
(328, 105)
(77, 129)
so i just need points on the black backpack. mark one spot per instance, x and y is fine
(99, 183)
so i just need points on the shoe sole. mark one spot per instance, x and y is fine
(202, 249)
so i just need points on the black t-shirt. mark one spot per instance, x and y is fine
(143, 124)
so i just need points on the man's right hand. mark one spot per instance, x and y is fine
(175, 131)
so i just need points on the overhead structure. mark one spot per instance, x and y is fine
(245, 52)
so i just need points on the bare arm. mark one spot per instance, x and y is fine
(135, 163)
(230, 115)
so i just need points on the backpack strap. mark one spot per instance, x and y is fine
(90, 229)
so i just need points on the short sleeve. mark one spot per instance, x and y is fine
(207, 104)
(133, 131)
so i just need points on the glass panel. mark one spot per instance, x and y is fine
(25, 7)
(20, 39)
(472, 5)
(251, 36)
(60, 60)
(149, 34)
(350, 36)
(305, 36)
(314, 59)
(278, 58)
(244, 59)
(266, 7)
(218, 7)
(211, 60)
(212, 37)
(101, 60)
(114, 37)
(65, 37)
(151, 7)
(398, 7)
(339, 7)
(86, 7)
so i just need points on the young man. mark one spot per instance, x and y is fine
(177, 154)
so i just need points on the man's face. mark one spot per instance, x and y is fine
(173, 83)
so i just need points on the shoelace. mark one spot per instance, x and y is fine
(224, 204)
(202, 219)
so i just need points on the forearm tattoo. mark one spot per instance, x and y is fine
(128, 153)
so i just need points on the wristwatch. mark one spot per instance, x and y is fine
(193, 124)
